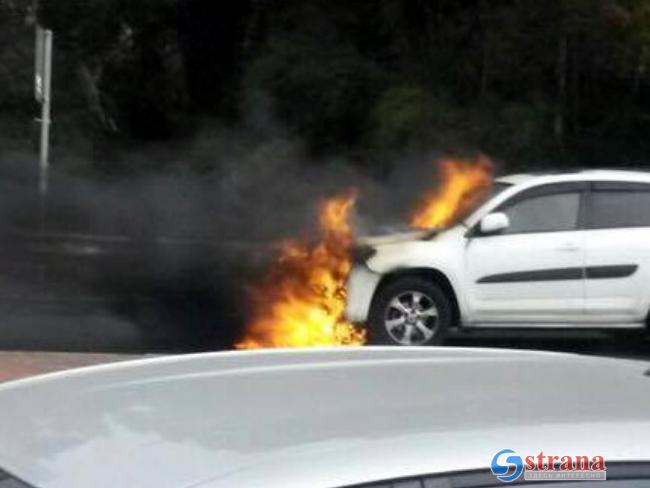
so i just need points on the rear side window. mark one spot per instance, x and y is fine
(619, 205)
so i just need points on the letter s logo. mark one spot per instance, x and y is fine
(512, 462)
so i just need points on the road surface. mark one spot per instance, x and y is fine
(18, 364)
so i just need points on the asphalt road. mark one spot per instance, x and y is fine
(100, 331)
(609, 346)
(38, 340)
(21, 364)
(15, 365)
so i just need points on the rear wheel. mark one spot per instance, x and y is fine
(410, 311)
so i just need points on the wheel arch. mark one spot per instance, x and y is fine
(432, 274)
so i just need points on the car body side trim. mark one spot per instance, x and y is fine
(559, 274)
(604, 272)
(554, 274)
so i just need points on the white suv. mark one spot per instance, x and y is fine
(545, 251)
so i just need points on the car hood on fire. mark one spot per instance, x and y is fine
(396, 237)
(315, 418)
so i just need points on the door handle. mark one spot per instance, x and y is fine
(569, 248)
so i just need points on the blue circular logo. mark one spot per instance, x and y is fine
(508, 470)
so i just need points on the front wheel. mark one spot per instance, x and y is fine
(410, 311)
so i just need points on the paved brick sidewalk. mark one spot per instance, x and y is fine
(15, 365)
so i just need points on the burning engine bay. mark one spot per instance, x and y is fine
(301, 301)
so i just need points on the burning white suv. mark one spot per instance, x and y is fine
(545, 251)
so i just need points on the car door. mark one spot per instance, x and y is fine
(532, 272)
(617, 253)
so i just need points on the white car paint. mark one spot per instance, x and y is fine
(316, 418)
(617, 300)
(464, 260)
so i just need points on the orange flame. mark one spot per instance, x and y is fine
(464, 183)
(301, 302)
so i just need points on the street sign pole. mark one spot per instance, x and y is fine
(44, 93)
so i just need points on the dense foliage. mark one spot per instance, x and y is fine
(532, 83)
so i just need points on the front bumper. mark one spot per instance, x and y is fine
(361, 287)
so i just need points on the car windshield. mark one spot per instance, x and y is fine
(496, 188)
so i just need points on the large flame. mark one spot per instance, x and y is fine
(301, 302)
(463, 184)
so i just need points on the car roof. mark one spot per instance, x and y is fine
(318, 418)
(576, 175)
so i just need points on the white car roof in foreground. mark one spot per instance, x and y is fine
(316, 418)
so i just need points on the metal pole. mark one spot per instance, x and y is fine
(38, 65)
(44, 162)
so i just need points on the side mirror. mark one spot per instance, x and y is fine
(494, 222)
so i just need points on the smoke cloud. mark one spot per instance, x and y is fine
(172, 240)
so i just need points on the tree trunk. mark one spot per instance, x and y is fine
(88, 81)
(485, 52)
(575, 86)
(559, 125)
(639, 72)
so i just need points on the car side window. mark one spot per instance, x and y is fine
(619, 205)
(544, 213)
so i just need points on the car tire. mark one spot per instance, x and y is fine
(410, 311)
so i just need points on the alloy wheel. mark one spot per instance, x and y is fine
(411, 318)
